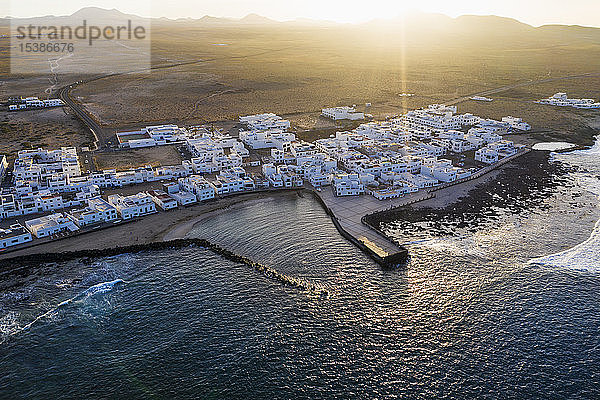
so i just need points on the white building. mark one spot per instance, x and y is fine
(517, 123)
(481, 98)
(268, 139)
(133, 206)
(338, 113)
(389, 193)
(441, 171)
(40, 164)
(504, 148)
(97, 211)
(13, 236)
(149, 136)
(3, 166)
(53, 103)
(265, 122)
(34, 102)
(199, 186)
(436, 117)
(486, 155)
(419, 180)
(562, 100)
(228, 182)
(9, 207)
(162, 199)
(347, 185)
(51, 225)
(184, 198)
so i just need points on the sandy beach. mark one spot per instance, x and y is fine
(176, 224)
(158, 227)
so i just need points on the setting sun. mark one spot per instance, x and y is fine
(300, 199)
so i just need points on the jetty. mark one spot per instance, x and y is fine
(348, 214)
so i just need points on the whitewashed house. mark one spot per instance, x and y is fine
(264, 122)
(98, 211)
(347, 185)
(15, 235)
(50, 225)
(162, 199)
(486, 155)
(133, 206)
(419, 180)
(339, 113)
(182, 197)
(199, 186)
(3, 167)
(517, 123)
(505, 148)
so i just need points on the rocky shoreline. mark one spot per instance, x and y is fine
(23, 265)
(524, 183)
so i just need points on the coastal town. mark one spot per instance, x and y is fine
(563, 100)
(46, 194)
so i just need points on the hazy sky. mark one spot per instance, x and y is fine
(535, 12)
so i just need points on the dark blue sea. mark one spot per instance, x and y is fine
(471, 316)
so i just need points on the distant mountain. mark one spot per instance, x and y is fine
(97, 12)
(209, 20)
(257, 19)
(413, 28)
(477, 30)
(94, 15)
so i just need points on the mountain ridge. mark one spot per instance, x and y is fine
(255, 18)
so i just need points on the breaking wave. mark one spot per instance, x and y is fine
(9, 325)
(583, 257)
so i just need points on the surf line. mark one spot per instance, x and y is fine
(98, 288)
(23, 263)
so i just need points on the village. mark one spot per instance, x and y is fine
(47, 196)
(563, 100)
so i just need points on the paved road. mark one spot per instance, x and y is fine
(64, 94)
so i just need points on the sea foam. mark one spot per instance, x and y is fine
(585, 256)
(99, 288)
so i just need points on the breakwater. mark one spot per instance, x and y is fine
(23, 265)
(393, 260)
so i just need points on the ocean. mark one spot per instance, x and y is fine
(509, 310)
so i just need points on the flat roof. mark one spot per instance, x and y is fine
(125, 137)
(12, 231)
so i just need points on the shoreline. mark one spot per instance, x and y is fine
(526, 182)
(181, 230)
(24, 264)
(176, 224)
(151, 229)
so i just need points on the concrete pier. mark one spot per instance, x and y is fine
(347, 214)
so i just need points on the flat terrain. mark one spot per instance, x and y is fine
(49, 128)
(212, 72)
(126, 159)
